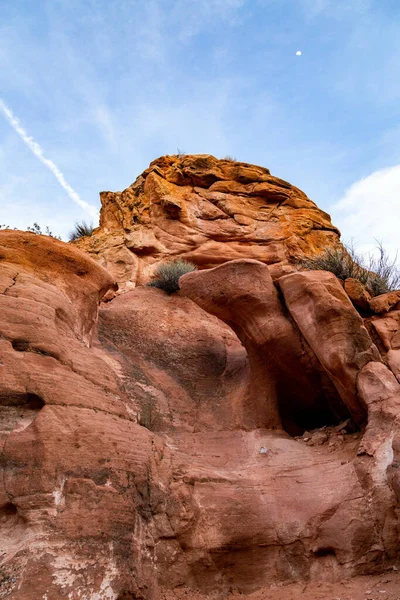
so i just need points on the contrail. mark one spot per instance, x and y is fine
(38, 152)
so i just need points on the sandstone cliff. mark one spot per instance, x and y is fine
(240, 433)
(208, 211)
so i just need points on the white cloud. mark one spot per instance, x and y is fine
(38, 152)
(104, 119)
(335, 8)
(370, 210)
(315, 7)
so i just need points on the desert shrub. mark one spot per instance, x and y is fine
(385, 274)
(167, 275)
(149, 415)
(379, 274)
(36, 228)
(230, 158)
(81, 230)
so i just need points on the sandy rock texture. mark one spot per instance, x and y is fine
(208, 211)
(372, 587)
(239, 436)
(75, 467)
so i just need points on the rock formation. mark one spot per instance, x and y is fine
(240, 433)
(208, 211)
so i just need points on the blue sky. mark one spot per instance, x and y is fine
(106, 86)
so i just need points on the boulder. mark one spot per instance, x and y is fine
(333, 329)
(357, 293)
(208, 211)
(384, 302)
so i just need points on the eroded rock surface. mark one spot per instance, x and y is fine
(183, 369)
(208, 211)
(74, 488)
(286, 383)
(240, 433)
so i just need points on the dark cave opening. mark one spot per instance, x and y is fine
(312, 407)
(35, 402)
(325, 551)
(8, 510)
(20, 345)
(25, 400)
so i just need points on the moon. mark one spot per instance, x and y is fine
(298, 53)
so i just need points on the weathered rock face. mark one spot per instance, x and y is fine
(150, 448)
(287, 386)
(336, 334)
(73, 486)
(208, 211)
(183, 369)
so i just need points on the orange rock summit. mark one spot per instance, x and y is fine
(208, 211)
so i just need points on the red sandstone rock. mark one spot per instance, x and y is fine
(93, 504)
(335, 331)
(285, 379)
(357, 293)
(332, 328)
(386, 329)
(383, 303)
(183, 369)
(73, 488)
(208, 211)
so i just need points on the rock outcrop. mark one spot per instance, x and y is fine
(208, 211)
(72, 484)
(240, 433)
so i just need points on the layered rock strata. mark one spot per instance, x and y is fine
(240, 433)
(208, 211)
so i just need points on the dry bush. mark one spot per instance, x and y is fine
(81, 230)
(167, 275)
(379, 274)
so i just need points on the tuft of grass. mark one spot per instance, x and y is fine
(167, 275)
(35, 228)
(149, 415)
(377, 273)
(81, 230)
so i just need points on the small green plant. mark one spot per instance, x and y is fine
(149, 415)
(81, 230)
(36, 228)
(379, 274)
(166, 276)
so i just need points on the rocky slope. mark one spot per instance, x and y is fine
(208, 211)
(241, 433)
